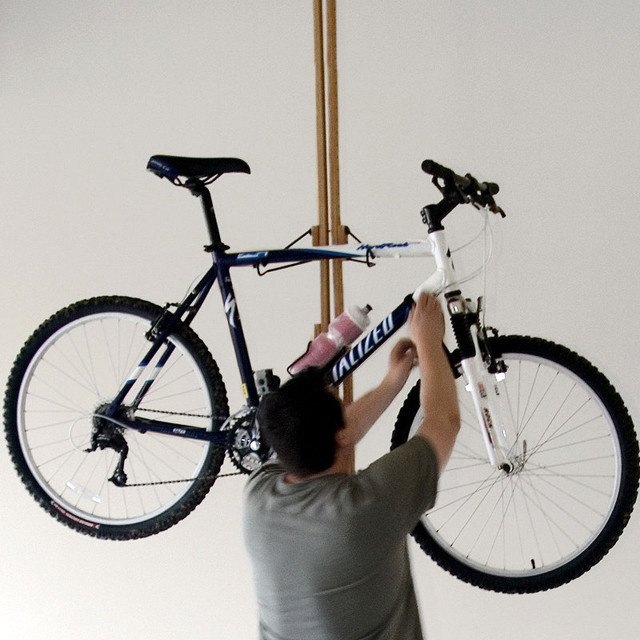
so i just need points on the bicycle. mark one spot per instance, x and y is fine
(117, 419)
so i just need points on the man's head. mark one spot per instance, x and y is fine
(300, 421)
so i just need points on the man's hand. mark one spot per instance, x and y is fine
(426, 322)
(403, 358)
(438, 397)
(426, 326)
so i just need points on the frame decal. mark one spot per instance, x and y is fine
(374, 339)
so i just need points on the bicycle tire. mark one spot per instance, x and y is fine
(74, 363)
(558, 514)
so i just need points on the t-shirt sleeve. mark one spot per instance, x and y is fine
(404, 482)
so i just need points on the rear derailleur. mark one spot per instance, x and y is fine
(107, 434)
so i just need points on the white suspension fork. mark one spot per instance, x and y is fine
(479, 382)
(483, 389)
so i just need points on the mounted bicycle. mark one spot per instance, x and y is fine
(117, 418)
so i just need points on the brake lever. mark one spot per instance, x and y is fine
(450, 187)
(481, 195)
(466, 189)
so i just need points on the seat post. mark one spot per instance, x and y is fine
(198, 189)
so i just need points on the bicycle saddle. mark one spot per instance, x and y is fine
(172, 167)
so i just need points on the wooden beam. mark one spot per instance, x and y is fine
(338, 235)
(320, 235)
(330, 228)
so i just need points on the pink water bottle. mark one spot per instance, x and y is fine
(342, 331)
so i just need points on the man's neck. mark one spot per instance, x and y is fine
(342, 465)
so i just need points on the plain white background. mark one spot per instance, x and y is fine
(541, 97)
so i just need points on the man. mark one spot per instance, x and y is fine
(328, 546)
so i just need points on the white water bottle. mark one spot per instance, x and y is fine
(342, 331)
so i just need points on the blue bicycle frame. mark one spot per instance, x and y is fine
(187, 310)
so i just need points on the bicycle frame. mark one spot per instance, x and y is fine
(442, 280)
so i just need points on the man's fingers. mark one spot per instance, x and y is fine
(404, 348)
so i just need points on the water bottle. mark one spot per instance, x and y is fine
(342, 331)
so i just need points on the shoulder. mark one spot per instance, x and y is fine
(415, 455)
(267, 474)
(410, 471)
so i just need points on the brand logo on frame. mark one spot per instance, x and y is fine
(230, 310)
(252, 255)
(386, 245)
(364, 347)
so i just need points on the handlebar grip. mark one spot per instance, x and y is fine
(432, 168)
(463, 188)
(448, 175)
(491, 187)
(438, 171)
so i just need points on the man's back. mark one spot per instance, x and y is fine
(329, 555)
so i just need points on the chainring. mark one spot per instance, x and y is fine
(247, 449)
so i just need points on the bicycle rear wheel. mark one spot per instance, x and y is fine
(70, 368)
(573, 484)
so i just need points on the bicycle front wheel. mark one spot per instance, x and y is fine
(572, 485)
(68, 372)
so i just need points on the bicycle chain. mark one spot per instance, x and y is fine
(215, 476)
(178, 413)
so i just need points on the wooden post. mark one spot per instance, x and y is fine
(329, 198)
(338, 235)
(321, 232)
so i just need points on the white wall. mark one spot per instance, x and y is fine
(539, 96)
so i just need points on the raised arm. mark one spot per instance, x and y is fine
(363, 413)
(438, 397)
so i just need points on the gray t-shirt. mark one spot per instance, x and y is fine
(329, 555)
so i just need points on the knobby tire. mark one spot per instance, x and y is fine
(73, 365)
(567, 502)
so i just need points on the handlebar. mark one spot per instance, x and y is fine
(463, 189)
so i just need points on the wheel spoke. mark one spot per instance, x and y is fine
(78, 367)
(534, 527)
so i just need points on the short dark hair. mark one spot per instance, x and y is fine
(300, 421)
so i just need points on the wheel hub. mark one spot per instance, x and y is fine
(516, 462)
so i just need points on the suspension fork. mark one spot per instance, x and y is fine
(466, 326)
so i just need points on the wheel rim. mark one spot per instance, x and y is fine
(560, 498)
(77, 369)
